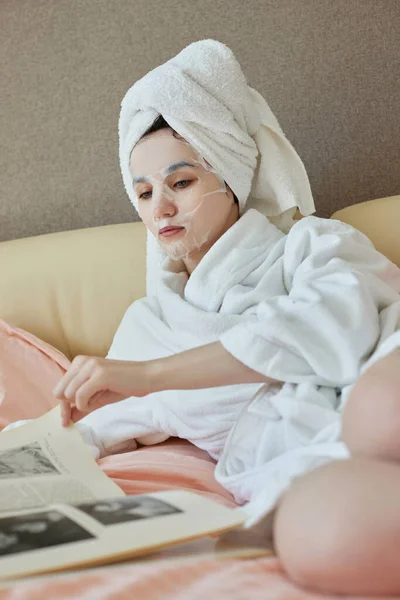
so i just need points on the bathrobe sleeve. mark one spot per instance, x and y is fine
(328, 323)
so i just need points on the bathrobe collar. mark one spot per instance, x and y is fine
(237, 254)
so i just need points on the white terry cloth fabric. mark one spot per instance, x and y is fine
(203, 95)
(388, 341)
(303, 308)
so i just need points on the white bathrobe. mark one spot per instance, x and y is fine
(304, 309)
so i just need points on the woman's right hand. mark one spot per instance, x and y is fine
(92, 382)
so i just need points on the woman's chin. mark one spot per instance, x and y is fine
(177, 250)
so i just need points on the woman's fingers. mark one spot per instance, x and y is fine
(72, 414)
(87, 394)
(99, 399)
(76, 382)
(92, 382)
(102, 398)
(65, 409)
(80, 364)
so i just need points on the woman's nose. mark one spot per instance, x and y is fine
(163, 207)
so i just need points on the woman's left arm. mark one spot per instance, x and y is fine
(320, 332)
(92, 382)
(203, 367)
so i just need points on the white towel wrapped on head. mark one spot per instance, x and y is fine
(203, 95)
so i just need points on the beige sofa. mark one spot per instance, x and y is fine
(72, 288)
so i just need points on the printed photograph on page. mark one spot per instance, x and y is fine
(35, 531)
(128, 508)
(42, 463)
(25, 461)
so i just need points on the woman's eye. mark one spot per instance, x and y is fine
(145, 196)
(183, 183)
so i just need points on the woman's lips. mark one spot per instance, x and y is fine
(170, 231)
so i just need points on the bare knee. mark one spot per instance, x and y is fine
(371, 418)
(336, 527)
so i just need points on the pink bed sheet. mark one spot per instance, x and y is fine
(255, 579)
(175, 464)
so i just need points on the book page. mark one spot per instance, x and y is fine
(43, 463)
(65, 537)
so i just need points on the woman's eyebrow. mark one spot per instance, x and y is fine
(136, 180)
(178, 165)
(167, 171)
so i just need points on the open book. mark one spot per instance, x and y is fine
(58, 510)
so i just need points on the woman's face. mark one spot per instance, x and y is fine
(184, 204)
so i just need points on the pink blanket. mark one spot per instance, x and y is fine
(29, 369)
(255, 579)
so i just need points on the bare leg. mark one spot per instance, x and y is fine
(371, 417)
(337, 529)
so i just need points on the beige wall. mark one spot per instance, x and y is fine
(329, 69)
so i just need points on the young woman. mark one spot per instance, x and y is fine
(252, 325)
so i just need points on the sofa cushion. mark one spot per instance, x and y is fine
(380, 220)
(72, 288)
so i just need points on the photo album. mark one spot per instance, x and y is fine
(59, 511)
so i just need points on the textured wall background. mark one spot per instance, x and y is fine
(329, 69)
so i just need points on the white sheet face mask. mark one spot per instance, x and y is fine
(185, 193)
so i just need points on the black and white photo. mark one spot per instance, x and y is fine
(34, 531)
(25, 461)
(130, 508)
